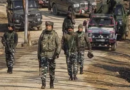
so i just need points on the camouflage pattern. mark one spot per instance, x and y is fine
(111, 4)
(10, 38)
(67, 22)
(49, 44)
(48, 48)
(101, 8)
(10, 59)
(69, 45)
(72, 64)
(83, 42)
(47, 65)
(80, 59)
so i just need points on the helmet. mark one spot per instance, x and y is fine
(80, 26)
(49, 23)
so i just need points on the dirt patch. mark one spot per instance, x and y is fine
(112, 71)
(109, 73)
(1, 51)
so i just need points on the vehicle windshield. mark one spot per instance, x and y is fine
(118, 11)
(101, 22)
(19, 4)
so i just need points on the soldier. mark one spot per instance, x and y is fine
(70, 50)
(82, 42)
(101, 8)
(69, 20)
(111, 5)
(70, 47)
(49, 48)
(10, 40)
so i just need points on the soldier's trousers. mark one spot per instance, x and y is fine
(47, 65)
(9, 58)
(72, 65)
(81, 59)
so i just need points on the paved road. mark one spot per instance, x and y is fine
(25, 76)
(58, 20)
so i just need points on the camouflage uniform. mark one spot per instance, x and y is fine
(67, 21)
(101, 8)
(82, 42)
(69, 46)
(49, 47)
(10, 40)
(111, 5)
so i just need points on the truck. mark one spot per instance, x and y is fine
(15, 14)
(101, 31)
(77, 7)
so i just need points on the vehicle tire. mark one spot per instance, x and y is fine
(113, 47)
(108, 47)
(40, 6)
(54, 9)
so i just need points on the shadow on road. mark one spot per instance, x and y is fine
(112, 71)
(115, 66)
(125, 74)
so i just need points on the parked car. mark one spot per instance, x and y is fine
(78, 7)
(121, 18)
(15, 14)
(101, 30)
(43, 3)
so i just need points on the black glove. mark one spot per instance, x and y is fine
(65, 52)
(90, 55)
(56, 55)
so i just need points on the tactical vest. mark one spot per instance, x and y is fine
(68, 22)
(70, 43)
(81, 40)
(48, 41)
(10, 38)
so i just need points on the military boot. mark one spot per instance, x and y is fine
(43, 84)
(81, 70)
(10, 70)
(75, 77)
(71, 77)
(51, 84)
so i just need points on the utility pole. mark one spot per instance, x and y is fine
(25, 7)
(129, 6)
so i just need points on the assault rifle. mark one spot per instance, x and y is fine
(7, 45)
